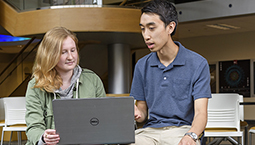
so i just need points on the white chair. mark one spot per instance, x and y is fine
(224, 115)
(15, 108)
(2, 116)
(251, 131)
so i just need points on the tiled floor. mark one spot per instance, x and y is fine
(222, 143)
(15, 143)
(247, 143)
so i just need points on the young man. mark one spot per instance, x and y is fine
(171, 84)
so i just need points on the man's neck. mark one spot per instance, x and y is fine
(168, 53)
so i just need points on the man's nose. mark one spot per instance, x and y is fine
(146, 35)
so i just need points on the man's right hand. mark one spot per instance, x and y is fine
(137, 113)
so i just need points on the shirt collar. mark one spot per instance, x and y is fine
(179, 59)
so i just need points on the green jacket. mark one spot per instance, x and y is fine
(39, 114)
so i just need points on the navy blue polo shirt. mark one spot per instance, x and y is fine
(170, 91)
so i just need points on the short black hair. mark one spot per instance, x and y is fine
(165, 9)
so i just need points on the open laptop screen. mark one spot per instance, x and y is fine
(108, 120)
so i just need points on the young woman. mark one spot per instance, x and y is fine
(56, 75)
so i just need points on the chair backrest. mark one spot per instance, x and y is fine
(241, 108)
(15, 109)
(2, 116)
(223, 111)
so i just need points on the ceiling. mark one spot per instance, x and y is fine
(245, 23)
(141, 3)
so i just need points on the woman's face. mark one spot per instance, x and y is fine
(68, 57)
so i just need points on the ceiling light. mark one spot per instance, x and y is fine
(8, 38)
(223, 26)
(230, 26)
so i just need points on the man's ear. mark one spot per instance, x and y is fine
(170, 27)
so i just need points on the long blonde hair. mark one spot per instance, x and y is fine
(47, 57)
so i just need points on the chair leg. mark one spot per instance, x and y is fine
(10, 138)
(2, 138)
(250, 138)
(233, 141)
(246, 135)
(19, 137)
(203, 141)
(216, 141)
(219, 140)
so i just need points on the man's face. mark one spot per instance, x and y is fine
(154, 32)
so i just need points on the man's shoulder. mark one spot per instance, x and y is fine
(145, 58)
(192, 55)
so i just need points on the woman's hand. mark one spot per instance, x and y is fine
(50, 137)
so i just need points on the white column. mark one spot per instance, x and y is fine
(118, 68)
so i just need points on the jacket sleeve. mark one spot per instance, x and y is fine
(100, 91)
(34, 115)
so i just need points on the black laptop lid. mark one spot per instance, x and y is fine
(108, 120)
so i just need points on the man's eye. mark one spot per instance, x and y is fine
(142, 29)
(151, 28)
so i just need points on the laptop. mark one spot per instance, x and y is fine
(108, 120)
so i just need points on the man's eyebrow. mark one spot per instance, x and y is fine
(148, 24)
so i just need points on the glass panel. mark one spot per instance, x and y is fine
(13, 75)
(25, 5)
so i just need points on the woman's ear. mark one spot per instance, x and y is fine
(171, 26)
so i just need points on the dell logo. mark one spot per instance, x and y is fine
(94, 121)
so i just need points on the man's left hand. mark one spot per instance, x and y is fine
(187, 140)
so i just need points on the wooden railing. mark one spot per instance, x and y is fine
(77, 19)
(117, 95)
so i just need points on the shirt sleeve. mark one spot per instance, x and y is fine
(137, 87)
(201, 81)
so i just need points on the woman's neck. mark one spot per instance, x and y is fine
(66, 79)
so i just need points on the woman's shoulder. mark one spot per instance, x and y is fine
(85, 70)
(31, 87)
(88, 74)
(31, 82)
(34, 93)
